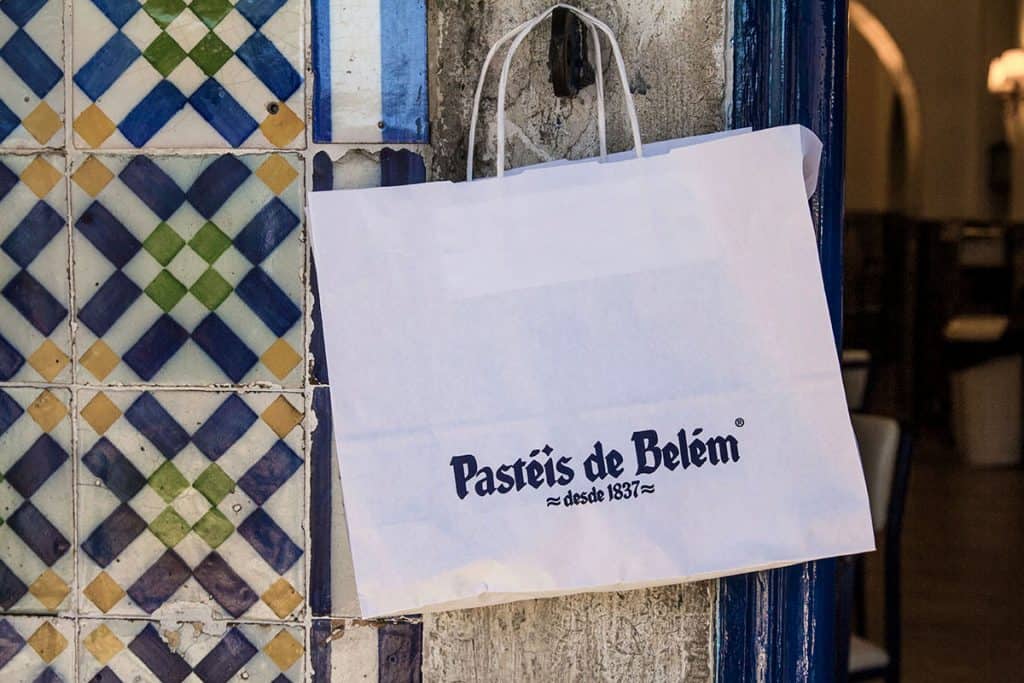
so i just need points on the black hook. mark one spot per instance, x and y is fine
(569, 54)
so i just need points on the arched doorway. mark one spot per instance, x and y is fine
(884, 149)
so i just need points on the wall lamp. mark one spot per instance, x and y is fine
(1006, 76)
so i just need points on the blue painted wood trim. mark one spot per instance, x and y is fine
(320, 651)
(321, 55)
(401, 167)
(403, 88)
(790, 67)
(321, 477)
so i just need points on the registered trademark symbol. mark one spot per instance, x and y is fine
(740, 422)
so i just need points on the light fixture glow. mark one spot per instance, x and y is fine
(1006, 73)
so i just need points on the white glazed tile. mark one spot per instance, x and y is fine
(191, 498)
(199, 282)
(226, 78)
(157, 652)
(36, 528)
(34, 336)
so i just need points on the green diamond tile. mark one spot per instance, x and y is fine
(213, 527)
(210, 242)
(210, 12)
(166, 291)
(211, 289)
(164, 54)
(169, 527)
(168, 481)
(214, 484)
(163, 11)
(163, 244)
(210, 53)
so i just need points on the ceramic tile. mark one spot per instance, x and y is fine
(144, 651)
(351, 658)
(192, 497)
(31, 72)
(34, 336)
(36, 527)
(37, 649)
(332, 576)
(355, 169)
(206, 73)
(188, 270)
(354, 43)
(366, 652)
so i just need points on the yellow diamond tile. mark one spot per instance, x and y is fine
(48, 360)
(49, 589)
(281, 598)
(100, 412)
(280, 358)
(47, 410)
(281, 416)
(92, 176)
(40, 176)
(103, 644)
(282, 127)
(104, 592)
(94, 126)
(48, 642)
(277, 173)
(284, 650)
(42, 123)
(99, 359)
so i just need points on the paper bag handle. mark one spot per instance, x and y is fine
(519, 33)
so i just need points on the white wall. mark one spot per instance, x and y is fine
(948, 46)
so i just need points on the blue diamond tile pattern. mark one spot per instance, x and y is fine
(196, 74)
(34, 291)
(121, 650)
(192, 496)
(189, 270)
(31, 72)
(36, 649)
(36, 527)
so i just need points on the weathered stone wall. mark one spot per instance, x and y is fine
(675, 54)
(675, 57)
(659, 634)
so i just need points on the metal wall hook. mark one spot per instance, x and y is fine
(568, 54)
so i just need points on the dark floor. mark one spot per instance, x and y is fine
(963, 567)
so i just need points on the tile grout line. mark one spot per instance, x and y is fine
(68, 45)
(75, 578)
(230, 621)
(209, 388)
(309, 419)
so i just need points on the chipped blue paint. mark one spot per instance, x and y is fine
(790, 66)
(404, 70)
(321, 54)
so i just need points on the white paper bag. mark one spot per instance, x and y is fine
(587, 376)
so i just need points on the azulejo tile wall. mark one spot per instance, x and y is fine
(191, 496)
(35, 335)
(188, 270)
(207, 73)
(170, 508)
(31, 71)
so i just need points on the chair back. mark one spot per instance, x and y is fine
(878, 439)
(885, 449)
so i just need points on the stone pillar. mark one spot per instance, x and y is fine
(676, 55)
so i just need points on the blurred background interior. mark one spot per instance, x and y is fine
(934, 334)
